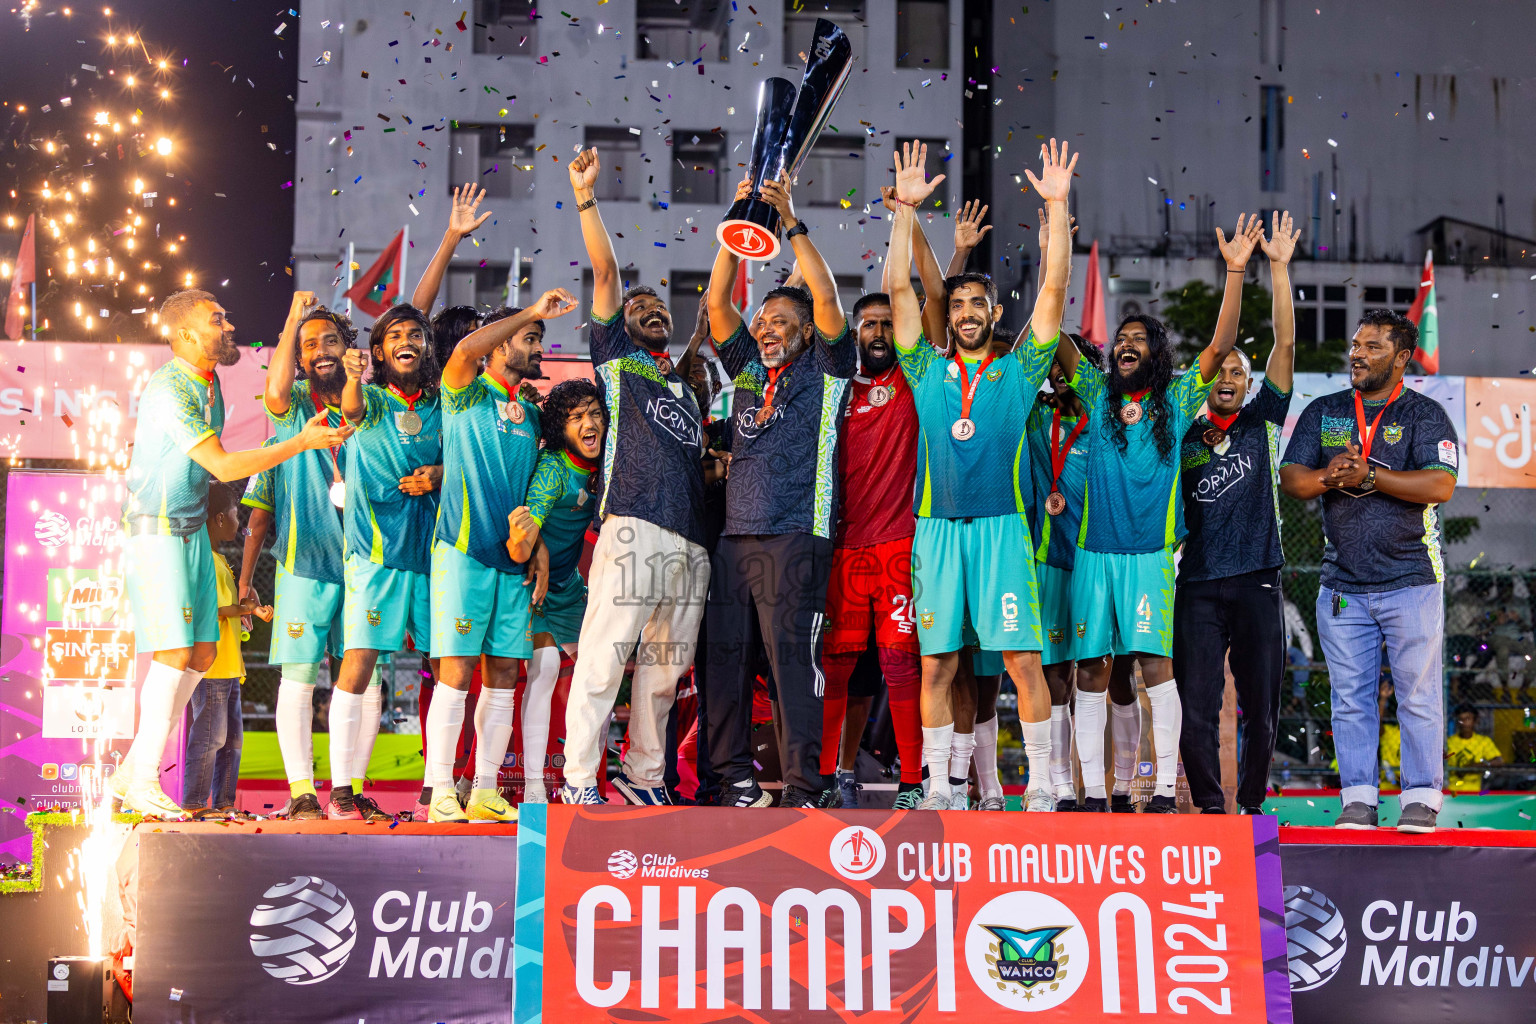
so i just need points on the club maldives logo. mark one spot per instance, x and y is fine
(857, 853)
(51, 530)
(623, 864)
(1315, 937)
(1026, 951)
(306, 932)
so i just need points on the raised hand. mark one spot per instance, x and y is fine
(302, 303)
(520, 525)
(888, 197)
(912, 183)
(1043, 235)
(461, 218)
(743, 189)
(553, 303)
(1055, 180)
(318, 433)
(583, 170)
(354, 361)
(776, 195)
(968, 227)
(1281, 243)
(701, 323)
(1239, 247)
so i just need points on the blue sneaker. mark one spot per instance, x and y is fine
(848, 784)
(584, 795)
(641, 796)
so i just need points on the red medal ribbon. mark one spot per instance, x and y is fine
(1137, 396)
(1367, 436)
(321, 407)
(499, 379)
(660, 355)
(967, 394)
(581, 461)
(1059, 451)
(1222, 423)
(409, 400)
(206, 375)
(773, 382)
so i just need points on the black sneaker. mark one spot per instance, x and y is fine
(1120, 803)
(370, 810)
(1162, 805)
(830, 798)
(1095, 805)
(794, 796)
(1067, 805)
(1213, 810)
(305, 807)
(1356, 815)
(750, 795)
(1418, 818)
(1250, 810)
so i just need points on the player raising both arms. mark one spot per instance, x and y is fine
(972, 550)
(172, 589)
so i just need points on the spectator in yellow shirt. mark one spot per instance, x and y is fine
(1468, 748)
(212, 755)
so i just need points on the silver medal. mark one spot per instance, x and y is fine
(339, 494)
(410, 422)
(964, 429)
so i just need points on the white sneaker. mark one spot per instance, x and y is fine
(934, 802)
(1039, 800)
(535, 793)
(148, 799)
(992, 803)
(959, 800)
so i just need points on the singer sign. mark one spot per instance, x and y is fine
(900, 916)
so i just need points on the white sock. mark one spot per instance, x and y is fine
(295, 726)
(987, 779)
(157, 713)
(961, 746)
(1061, 752)
(1037, 748)
(189, 680)
(936, 744)
(367, 731)
(538, 695)
(493, 732)
(1125, 730)
(1089, 729)
(445, 720)
(346, 713)
(1167, 723)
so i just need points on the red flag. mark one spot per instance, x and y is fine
(1095, 325)
(379, 286)
(24, 274)
(1425, 314)
(740, 291)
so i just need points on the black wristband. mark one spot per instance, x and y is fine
(1229, 269)
(798, 229)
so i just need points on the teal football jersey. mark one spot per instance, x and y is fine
(309, 529)
(988, 473)
(1133, 504)
(490, 448)
(181, 407)
(560, 503)
(384, 524)
(1056, 536)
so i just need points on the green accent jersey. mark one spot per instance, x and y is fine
(384, 524)
(559, 501)
(167, 491)
(488, 459)
(308, 526)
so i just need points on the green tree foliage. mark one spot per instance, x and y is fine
(1190, 314)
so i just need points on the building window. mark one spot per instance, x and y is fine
(833, 171)
(486, 287)
(1322, 313)
(684, 289)
(1272, 139)
(1381, 297)
(489, 155)
(619, 158)
(698, 161)
(922, 33)
(667, 30)
(800, 26)
(506, 26)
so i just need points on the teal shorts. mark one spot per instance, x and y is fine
(982, 568)
(172, 591)
(983, 663)
(384, 605)
(306, 619)
(1123, 604)
(562, 611)
(476, 609)
(1056, 614)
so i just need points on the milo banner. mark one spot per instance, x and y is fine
(315, 926)
(705, 914)
(1439, 930)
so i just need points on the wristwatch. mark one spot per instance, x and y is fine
(1369, 483)
(798, 229)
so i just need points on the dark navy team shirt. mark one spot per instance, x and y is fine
(784, 473)
(1377, 542)
(651, 466)
(1232, 499)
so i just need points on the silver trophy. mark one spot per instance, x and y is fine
(787, 126)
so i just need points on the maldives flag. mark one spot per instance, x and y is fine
(379, 286)
(1095, 326)
(741, 291)
(1423, 313)
(24, 274)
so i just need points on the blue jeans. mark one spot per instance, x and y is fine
(1411, 621)
(212, 757)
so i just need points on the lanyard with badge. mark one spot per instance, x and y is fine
(338, 488)
(1056, 502)
(1369, 435)
(964, 428)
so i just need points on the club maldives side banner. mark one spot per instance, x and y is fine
(714, 915)
(52, 394)
(1411, 933)
(68, 665)
(383, 928)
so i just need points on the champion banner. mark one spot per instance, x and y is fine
(703, 914)
(1430, 932)
(320, 926)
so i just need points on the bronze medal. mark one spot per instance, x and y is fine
(1213, 436)
(879, 395)
(410, 422)
(763, 415)
(515, 411)
(1055, 503)
(1130, 413)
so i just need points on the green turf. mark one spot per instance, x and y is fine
(395, 756)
